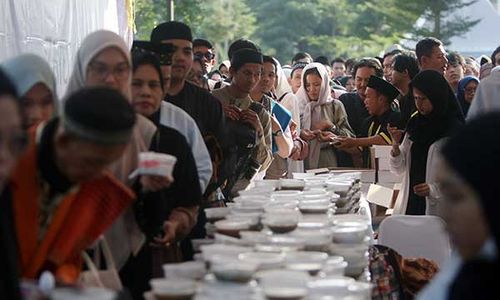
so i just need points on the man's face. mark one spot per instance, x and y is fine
(374, 102)
(296, 80)
(207, 55)
(338, 69)
(182, 58)
(109, 68)
(146, 90)
(247, 77)
(196, 74)
(454, 73)
(388, 67)
(361, 79)
(268, 78)
(436, 61)
(80, 160)
(399, 78)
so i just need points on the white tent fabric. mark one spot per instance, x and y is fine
(54, 29)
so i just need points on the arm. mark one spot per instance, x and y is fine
(342, 127)
(202, 157)
(397, 160)
(282, 138)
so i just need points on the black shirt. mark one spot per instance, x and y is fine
(205, 109)
(407, 107)
(377, 125)
(356, 111)
(154, 208)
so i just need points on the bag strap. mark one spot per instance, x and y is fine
(92, 268)
(282, 96)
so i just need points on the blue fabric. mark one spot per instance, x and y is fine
(461, 92)
(283, 116)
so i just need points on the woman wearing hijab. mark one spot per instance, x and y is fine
(36, 86)
(286, 97)
(323, 119)
(438, 115)
(13, 142)
(103, 59)
(466, 91)
(468, 181)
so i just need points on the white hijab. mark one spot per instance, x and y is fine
(284, 92)
(487, 95)
(312, 110)
(27, 70)
(91, 46)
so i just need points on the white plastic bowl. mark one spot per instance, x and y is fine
(191, 270)
(263, 260)
(349, 234)
(170, 288)
(217, 213)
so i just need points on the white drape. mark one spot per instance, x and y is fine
(54, 29)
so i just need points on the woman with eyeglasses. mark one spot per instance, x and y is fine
(36, 86)
(438, 115)
(103, 59)
(466, 91)
(12, 142)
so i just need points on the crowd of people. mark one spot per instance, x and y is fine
(66, 162)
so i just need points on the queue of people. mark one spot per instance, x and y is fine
(69, 164)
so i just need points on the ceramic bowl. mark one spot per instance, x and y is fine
(192, 270)
(169, 289)
(216, 213)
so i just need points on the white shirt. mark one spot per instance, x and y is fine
(176, 118)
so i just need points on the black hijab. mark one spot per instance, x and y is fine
(446, 116)
(424, 130)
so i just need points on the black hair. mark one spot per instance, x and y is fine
(270, 59)
(322, 60)
(140, 58)
(454, 58)
(393, 52)
(313, 71)
(406, 61)
(202, 42)
(369, 62)
(296, 66)
(337, 60)
(7, 88)
(424, 47)
(344, 79)
(300, 56)
(241, 44)
(497, 50)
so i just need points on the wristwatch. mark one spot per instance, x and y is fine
(278, 133)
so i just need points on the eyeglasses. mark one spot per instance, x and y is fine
(470, 90)
(16, 142)
(121, 71)
(207, 55)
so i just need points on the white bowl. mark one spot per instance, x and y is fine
(232, 227)
(250, 197)
(236, 270)
(334, 266)
(302, 175)
(252, 218)
(330, 286)
(171, 288)
(355, 269)
(352, 253)
(314, 206)
(281, 221)
(191, 270)
(284, 284)
(280, 243)
(253, 237)
(263, 260)
(349, 235)
(217, 213)
(280, 204)
(363, 290)
(292, 184)
(197, 243)
(315, 240)
(341, 188)
(260, 191)
(309, 261)
(208, 251)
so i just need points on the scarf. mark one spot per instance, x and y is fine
(461, 92)
(312, 110)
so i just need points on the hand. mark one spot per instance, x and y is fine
(152, 183)
(275, 125)
(293, 126)
(307, 135)
(422, 190)
(345, 142)
(250, 117)
(232, 112)
(326, 136)
(395, 133)
(170, 232)
(323, 125)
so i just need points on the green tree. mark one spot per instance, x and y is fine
(441, 26)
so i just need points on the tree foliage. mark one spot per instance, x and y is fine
(348, 28)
